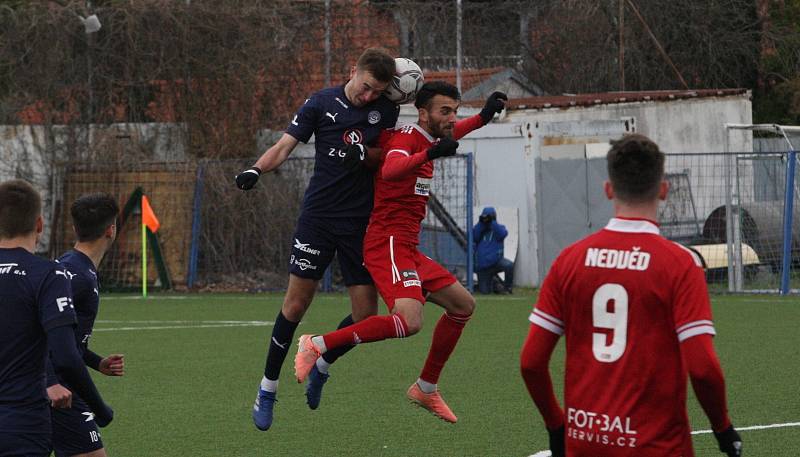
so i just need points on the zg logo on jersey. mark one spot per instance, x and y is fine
(353, 136)
(64, 303)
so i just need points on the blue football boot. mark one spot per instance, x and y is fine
(262, 409)
(314, 387)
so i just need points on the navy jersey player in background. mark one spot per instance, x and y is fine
(344, 120)
(37, 310)
(94, 219)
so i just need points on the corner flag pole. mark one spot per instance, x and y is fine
(149, 221)
(144, 259)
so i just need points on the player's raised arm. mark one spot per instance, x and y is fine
(495, 103)
(270, 160)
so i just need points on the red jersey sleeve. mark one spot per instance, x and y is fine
(464, 126)
(548, 312)
(402, 156)
(691, 307)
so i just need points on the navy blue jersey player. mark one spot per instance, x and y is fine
(94, 220)
(344, 120)
(37, 313)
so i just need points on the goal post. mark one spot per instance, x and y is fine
(732, 206)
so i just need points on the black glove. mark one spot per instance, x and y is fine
(446, 147)
(557, 441)
(730, 443)
(248, 178)
(103, 418)
(352, 156)
(494, 104)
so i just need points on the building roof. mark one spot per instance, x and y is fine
(607, 98)
(477, 84)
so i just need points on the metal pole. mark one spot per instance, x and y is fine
(470, 241)
(788, 207)
(622, 45)
(327, 43)
(729, 212)
(458, 44)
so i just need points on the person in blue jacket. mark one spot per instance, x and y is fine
(488, 236)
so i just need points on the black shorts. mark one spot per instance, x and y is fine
(316, 241)
(15, 444)
(74, 429)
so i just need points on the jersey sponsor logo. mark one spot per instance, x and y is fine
(374, 117)
(63, 303)
(89, 416)
(412, 283)
(282, 346)
(614, 259)
(342, 103)
(423, 187)
(305, 264)
(332, 116)
(600, 428)
(294, 119)
(304, 247)
(66, 274)
(353, 136)
(85, 339)
(409, 274)
(6, 268)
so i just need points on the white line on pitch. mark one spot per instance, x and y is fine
(172, 327)
(546, 453)
(103, 321)
(753, 427)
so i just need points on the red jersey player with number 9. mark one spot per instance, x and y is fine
(635, 311)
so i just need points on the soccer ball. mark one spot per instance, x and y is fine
(406, 82)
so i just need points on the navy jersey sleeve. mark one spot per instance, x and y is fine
(305, 121)
(55, 300)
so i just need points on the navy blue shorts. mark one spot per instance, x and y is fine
(74, 430)
(315, 242)
(15, 444)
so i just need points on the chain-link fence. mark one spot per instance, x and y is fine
(745, 252)
(216, 237)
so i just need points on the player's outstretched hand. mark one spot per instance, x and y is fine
(446, 147)
(494, 104)
(557, 441)
(353, 155)
(730, 443)
(113, 365)
(103, 418)
(60, 396)
(248, 178)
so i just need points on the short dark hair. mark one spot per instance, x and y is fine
(379, 63)
(433, 88)
(635, 168)
(92, 214)
(20, 205)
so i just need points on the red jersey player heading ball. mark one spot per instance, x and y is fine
(635, 311)
(405, 277)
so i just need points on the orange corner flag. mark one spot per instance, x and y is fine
(148, 216)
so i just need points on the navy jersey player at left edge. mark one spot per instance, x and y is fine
(345, 121)
(37, 310)
(94, 220)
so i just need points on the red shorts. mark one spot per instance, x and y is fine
(401, 271)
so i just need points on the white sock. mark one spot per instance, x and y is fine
(269, 385)
(319, 342)
(322, 365)
(426, 387)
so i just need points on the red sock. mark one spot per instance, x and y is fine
(373, 328)
(445, 338)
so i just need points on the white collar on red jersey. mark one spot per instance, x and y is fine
(423, 132)
(618, 224)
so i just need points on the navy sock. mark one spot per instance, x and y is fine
(334, 354)
(279, 343)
